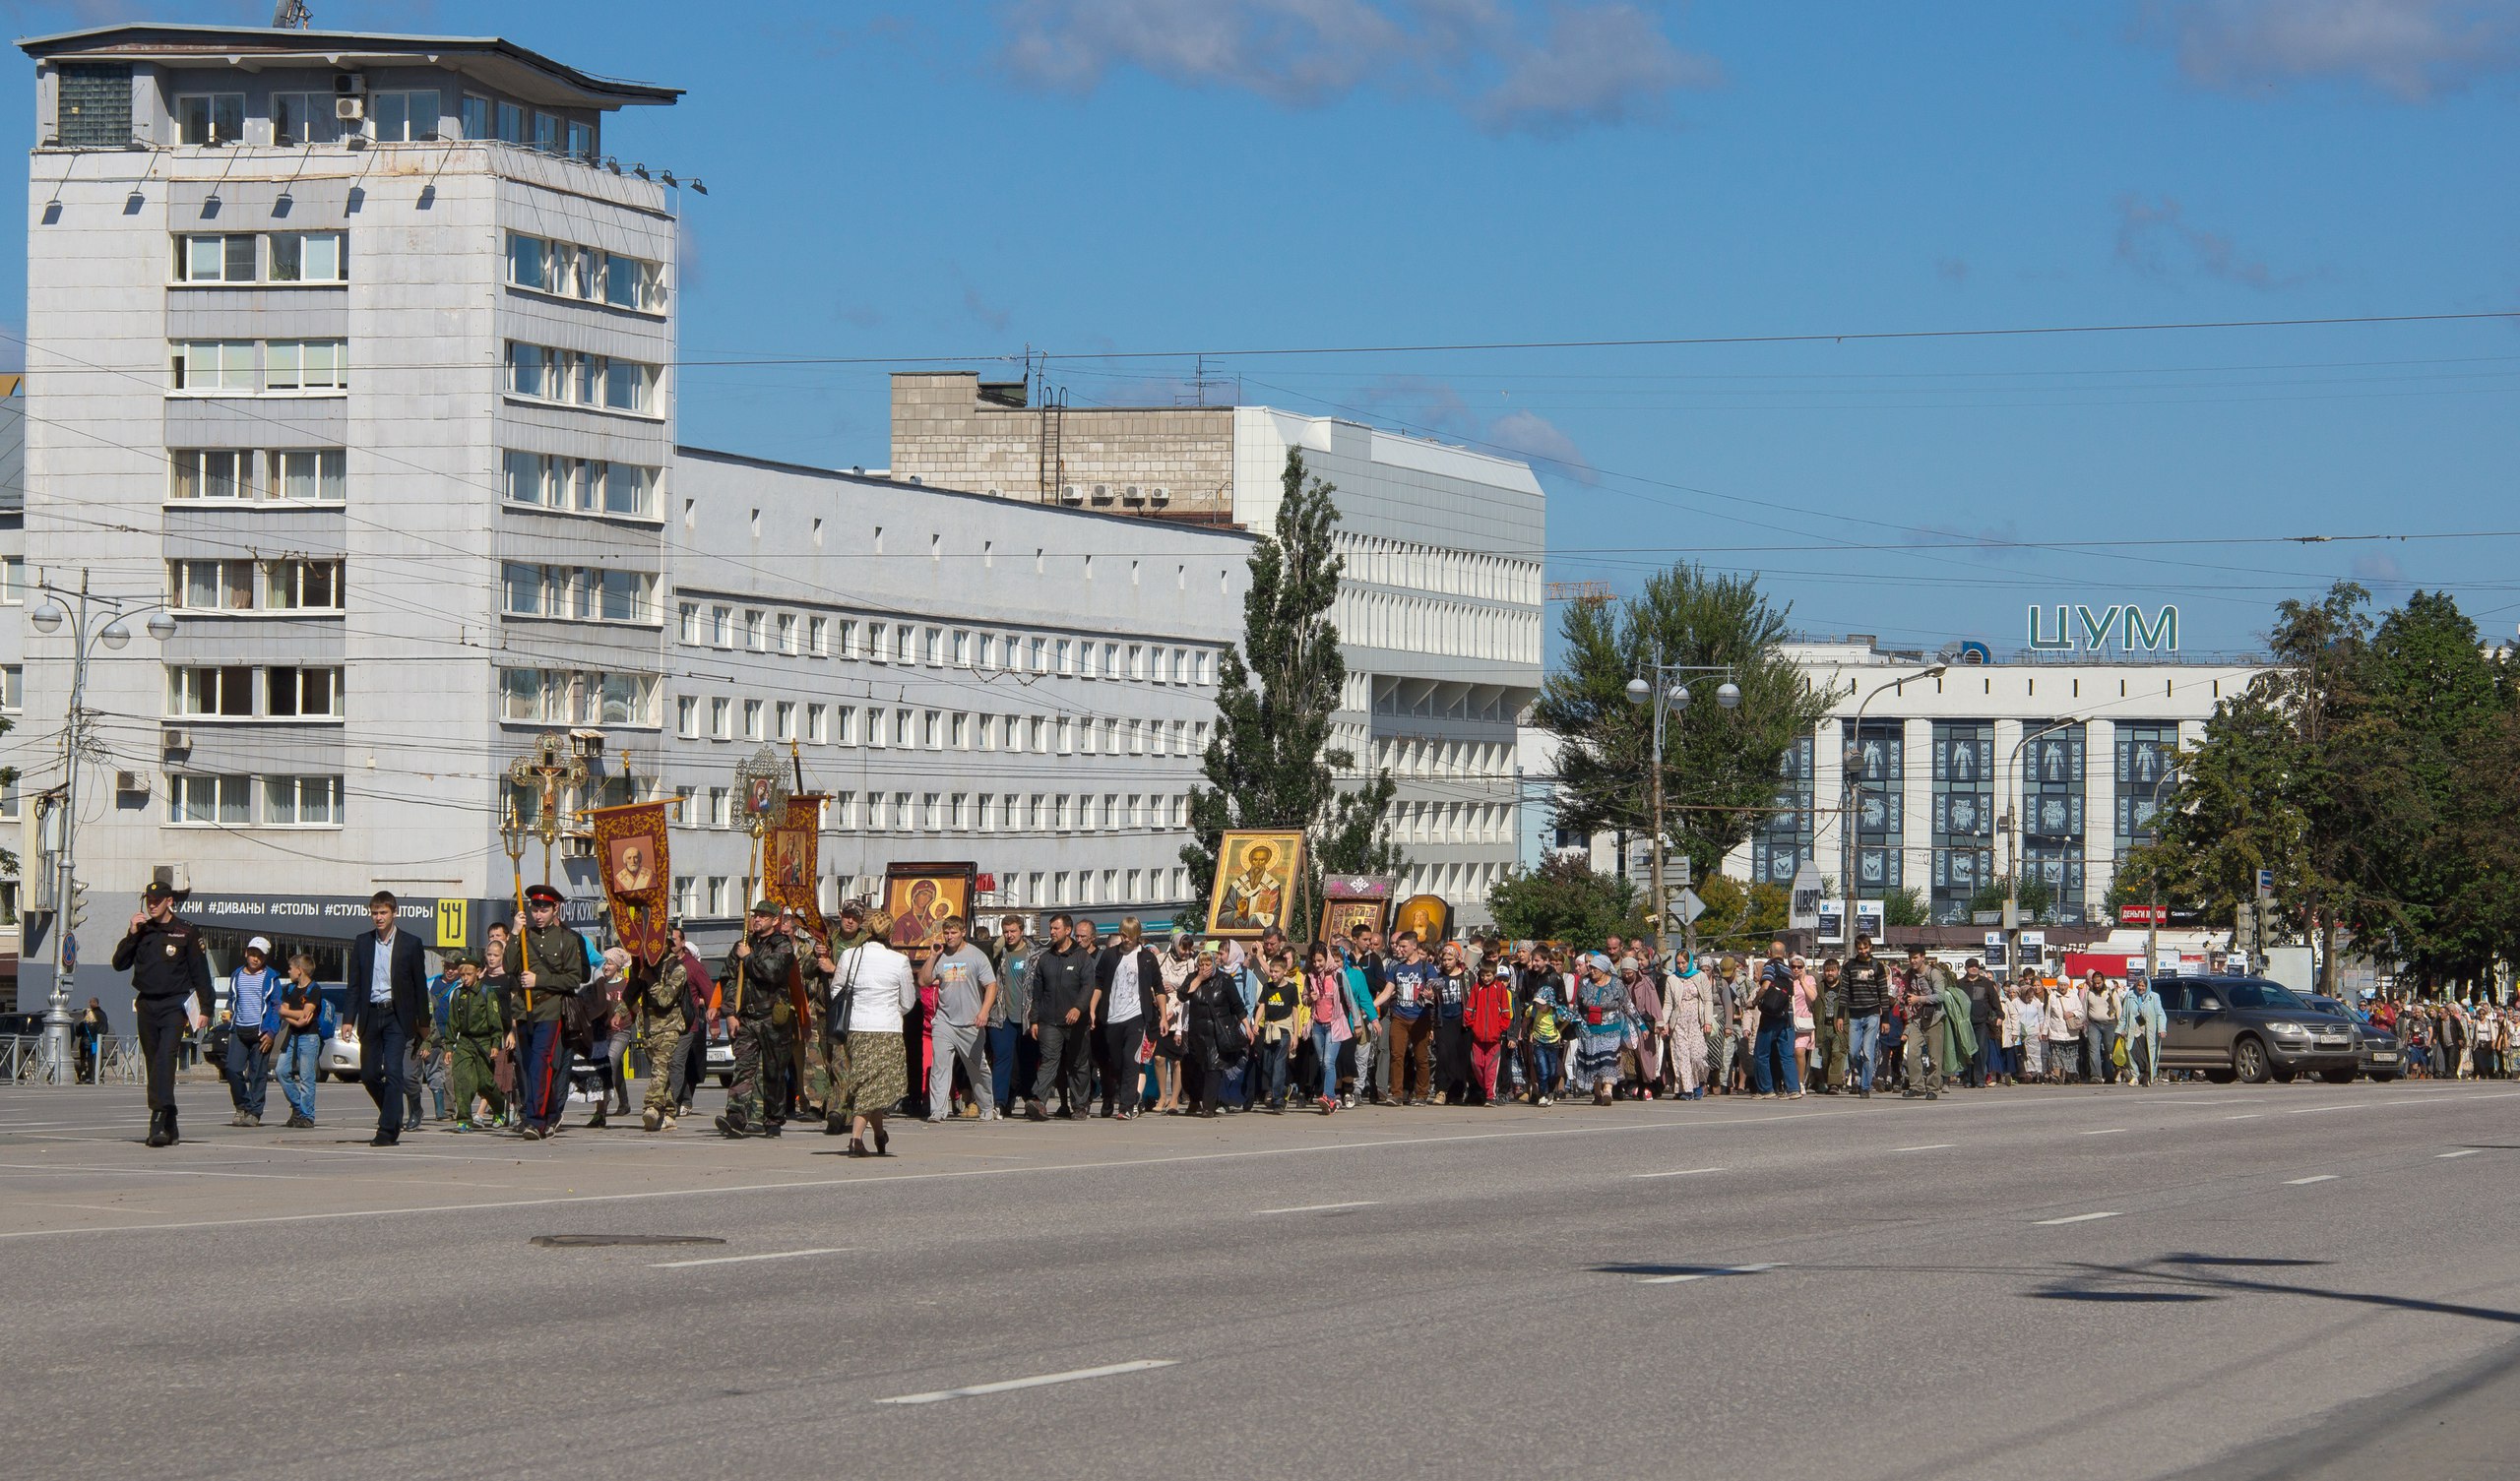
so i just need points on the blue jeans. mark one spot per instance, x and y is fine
(1864, 1047)
(249, 1072)
(542, 1074)
(1543, 1069)
(298, 1060)
(1012, 1060)
(1327, 1053)
(1775, 1044)
(1273, 1069)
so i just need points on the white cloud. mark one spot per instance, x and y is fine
(1577, 64)
(1542, 441)
(2413, 50)
(1424, 406)
(2155, 237)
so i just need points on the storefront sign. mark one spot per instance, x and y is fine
(2079, 627)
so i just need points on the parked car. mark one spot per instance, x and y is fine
(719, 1060)
(338, 1058)
(2383, 1057)
(2250, 1030)
(20, 1026)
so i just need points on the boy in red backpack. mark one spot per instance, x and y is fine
(1489, 1014)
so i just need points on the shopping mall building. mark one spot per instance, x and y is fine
(1964, 766)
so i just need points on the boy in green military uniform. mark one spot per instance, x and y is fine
(757, 973)
(477, 1020)
(660, 998)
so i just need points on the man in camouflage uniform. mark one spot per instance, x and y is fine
(757, 987)
(809, 1073)
(660, 1000)
(477, 1020)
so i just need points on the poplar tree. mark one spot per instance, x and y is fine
(1270, 764)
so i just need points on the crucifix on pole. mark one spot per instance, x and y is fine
(546, 768)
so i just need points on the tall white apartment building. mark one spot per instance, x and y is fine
(354, 355)
(1440, 607)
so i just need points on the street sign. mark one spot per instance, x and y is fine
(1676, 870)
(2034, 949)
(2266, 884)
(1995, 960)
(2143, 915)
(1804, 914)
(1640, 858)
(1688, 907)
(450, 923)
(1833, 923)
(1868, 919)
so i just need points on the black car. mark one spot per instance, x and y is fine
(20, 1026)
(2383, 1057)
(2251, 1029)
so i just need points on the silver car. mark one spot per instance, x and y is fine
(338, 1058)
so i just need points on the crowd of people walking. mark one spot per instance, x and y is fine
(840, 1030)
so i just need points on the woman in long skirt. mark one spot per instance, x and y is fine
(1645, 1011)
(1689, 1021)
(1601, 1029)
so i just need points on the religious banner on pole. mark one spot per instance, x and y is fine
(791, 860)
(630, 849)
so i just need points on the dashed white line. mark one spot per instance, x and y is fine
(1686, 1172)
(1038, 1381)
(2251, 1116)
(2465, 1152)
(1318, 1208)
(2076, 1219)
(736, 1259)
(2325, 1177)
(1708, 1275)
(1931, 1146)
(2107, 1131)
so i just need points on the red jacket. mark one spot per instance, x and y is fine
(1488, 1010)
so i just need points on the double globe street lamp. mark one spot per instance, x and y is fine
(107, 626)
(1669, 695)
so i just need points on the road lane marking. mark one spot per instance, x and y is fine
(1686, 1172)
(2465, 1152)
(2076, 1219)
(2107, 1131)
(1318, 1208)
(1708, 1274)
(2251, 1116)
(2350, 1105)
(2325, 1177)
(736, 1259)
(1009, 1386)
(1931, 1146)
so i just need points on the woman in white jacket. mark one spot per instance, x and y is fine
(872, 989)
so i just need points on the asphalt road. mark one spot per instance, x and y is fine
(2231, 1281)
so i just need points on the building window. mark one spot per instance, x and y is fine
(786, 628)
(752, 720)
(817, 723)
(403, 117)
(721, 713)
(206, 118)
(13, 687)
(223, 800)
(688, 715)
(785, 714)
(818, 637)
(1880, 785)
(2147, 773)
(219, 365)
(302, 801)
(306, 365)
(310, 257)
(475, 117)
(215, 259)
(318, 476)
(1964, 815)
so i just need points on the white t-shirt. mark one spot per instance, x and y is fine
(884, 984)
(1126, 1002)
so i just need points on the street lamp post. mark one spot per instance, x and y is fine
(2012, 847)
(1666, 696)
(88, 627)
(1850, 759)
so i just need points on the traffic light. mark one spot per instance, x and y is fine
(75, 911)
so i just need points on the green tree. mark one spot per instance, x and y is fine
(1741, 918)
(1270, 763)
(1565, 900)
(1906, 906)
(1719, 767)
(2038, 897)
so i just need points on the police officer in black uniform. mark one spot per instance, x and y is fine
(168, 972)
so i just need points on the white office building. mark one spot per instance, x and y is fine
(2050, 764)
(1440, 607)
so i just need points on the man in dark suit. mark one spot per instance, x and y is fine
(390, 1001)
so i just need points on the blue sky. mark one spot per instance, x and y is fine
(1092, 176)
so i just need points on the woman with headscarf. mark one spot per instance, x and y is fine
(1600, 1006)
(873, 993)
(1646, 1012)
(1684, 993)
(1212, 1006)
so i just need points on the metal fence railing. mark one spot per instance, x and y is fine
(22, 1061)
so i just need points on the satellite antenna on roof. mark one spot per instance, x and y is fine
(291, 14)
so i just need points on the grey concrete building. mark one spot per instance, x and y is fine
(353, 354)
(1440, 606)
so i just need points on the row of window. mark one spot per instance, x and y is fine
(578, 378)
(1452, 823)
(263, 257)
(588, 273)
(248, 801)
(212, 367)
(582, 485)
(1385, 562)
(935, 729)
(400, 116)
(280, 585)
(245, 691)
(584, 593)
(720, 894)
(1417, 624)
(318, 476)
(1417, 755)
(965, 811)
(726, 627)
(577, 697)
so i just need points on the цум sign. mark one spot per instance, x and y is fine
(2079, 627)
